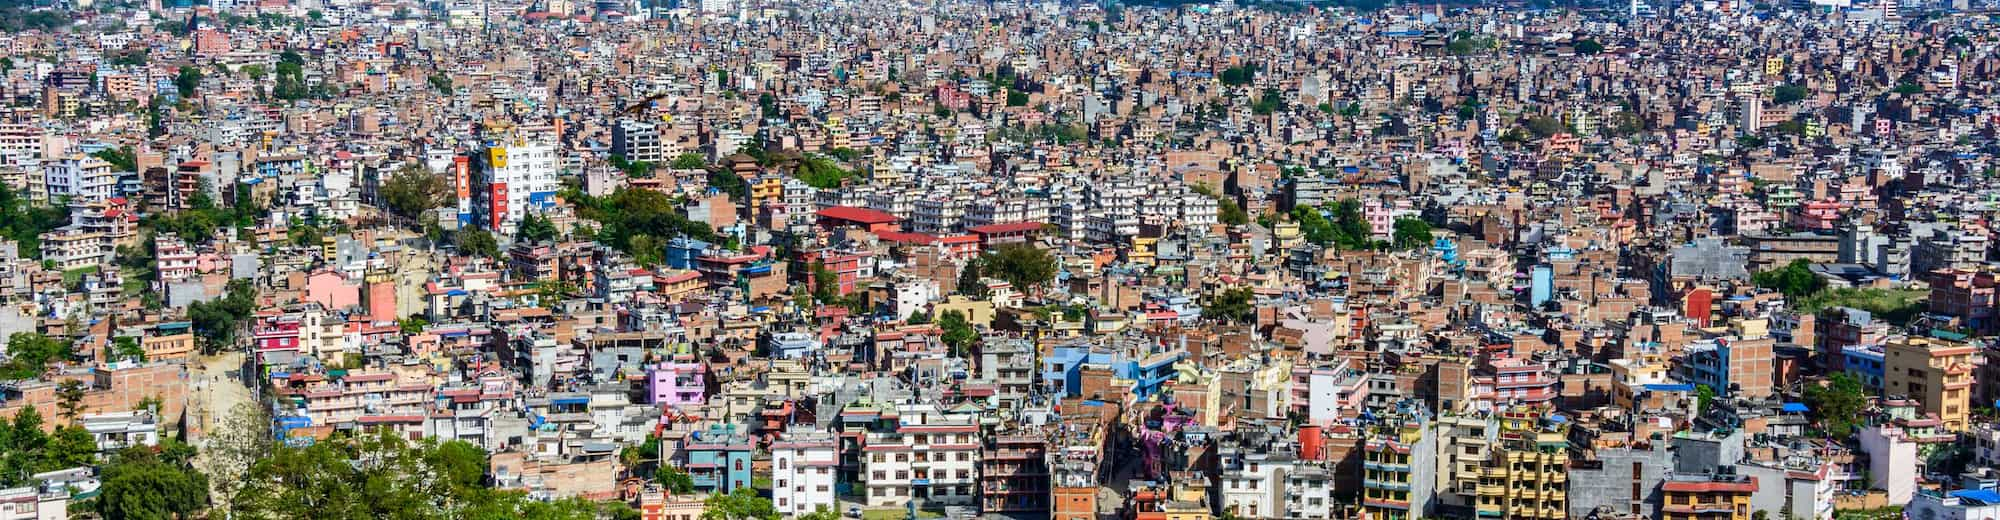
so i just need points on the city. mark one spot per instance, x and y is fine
(1148, 260)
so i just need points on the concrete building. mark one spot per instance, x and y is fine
(1399, 468)
(931, 454)
(717, 458)
(1935, 372)
(802, 471)
(1719, 496)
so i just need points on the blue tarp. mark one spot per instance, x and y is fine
(1682, 387)
(1982, 495)
(1793, 408)
(570, 400)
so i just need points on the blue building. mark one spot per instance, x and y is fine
(1063, 368)
(681, 252)
(718, 459)
(1864, 362)
(1541, 284)
(1148, 374)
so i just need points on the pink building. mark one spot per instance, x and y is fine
(677, 384)
(276, 333)
(332, 290)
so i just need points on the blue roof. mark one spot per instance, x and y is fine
(571, 400)
(1678, 387)
(1793, 407)
(1982, 495)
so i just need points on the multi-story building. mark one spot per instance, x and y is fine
(637, 141)
(511, 180)
(1707, 497)
(802, 472)
(1398, 477)
(1528, 477)
(1014, 473)
(1730, 366)
(1464, 447)
(717, 459)
(80, 178)
(677, 384)
(930, 453)
(1935, 372)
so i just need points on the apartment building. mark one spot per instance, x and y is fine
(1014, 473)
(930, 452)
(80, 178)
(1399, 466)
(802, 471)
(1935, 372)
(1721, 496)
(1527, 478)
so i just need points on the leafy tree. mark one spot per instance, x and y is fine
(1016, 98)
(1238, 76)
(440, 82)
(1022, 265)
(1908, 89)
(741, 504)
(140, 483)
(478, 242)
(1267, 102)
(1544, 126)
(410, 191)
(674, 480)
(69, 399)
(1411, 233)
(29, 354)
(1703, 396)
(187, 81)
(958, 333)
(822, 173)
(1232, 306)
(1795, 280)
(22, 447)
(71, 446)
(628, 214)
(121, 158)
(536, 228)
(1588, 47)
(217, 323)
(127, 347)
(690, 161)
(970, 283)
(1837, 404)
(1787, 93)
(412, 325)
(822, 513)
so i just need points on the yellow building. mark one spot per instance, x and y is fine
(1528, 476)
(1935, 372)
(1707, 497)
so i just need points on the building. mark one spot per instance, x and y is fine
(930, 453)
(1398, 472)
(718, 459)
(80, 178)
(1935, 372)
(30, 503)
(802, 472)
(1528, 476)
(638, 141)
(1733, 367)
(512, 180)
(1721, 496)
(1014, 474)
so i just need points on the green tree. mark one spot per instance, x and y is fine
(1232, 306)
(674, 480)
(478, 242)
(958, 333)
(1703, 396)
(970, 283)
(440, 82)
(127, 347)
(29, 354)
(1837, 404)
(141, 484)
(822, 513)
(1411, 233)
(1238, 76)
(1545, 126)
(410, 191)
(71, 446)
(536, 228)
(412, 325)
(741, 504)
(1024, 266)
(1588, 47)
(1787, 94)
(689, 161)
(69, 399)
(1795, 280)
(188, 81)
(1016, 98)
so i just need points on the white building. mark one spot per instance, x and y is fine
(81, 178)
(932, 455)
(513, 180)
(119, 430)
(802, 472)
(29, 503)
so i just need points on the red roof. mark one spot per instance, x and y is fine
(995, 229)
(911, 238)
(857, 215)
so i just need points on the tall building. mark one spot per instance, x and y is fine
(802, 472)
(637, 141)
(1720, 496)
(511, 179)
(1935, 372)
(81, 178)
(1397, 479)
(1528, 476)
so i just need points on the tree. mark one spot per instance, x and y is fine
(674, 480)
(689, 161)
(822, 513)
(1238, 76)
(1795, 280)
(1022, 265)
(69, 399)
(1232, 306)
(241, 438)
(1016, 98)
(218, 322)
(970, 282)
(440, 82)
(140, 484)
(412, 325)
(958, 333)
(22, 446)
(478, 242)
(29, 354)
(1837, 404)
(187, 81)
(1787, 93)
(535, 228)
(128, 347)
(741, 504)
(1588, 47)
(1703, 396)
(411, 191)
(1411, 233)
(1544, 126)
(71, 446)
